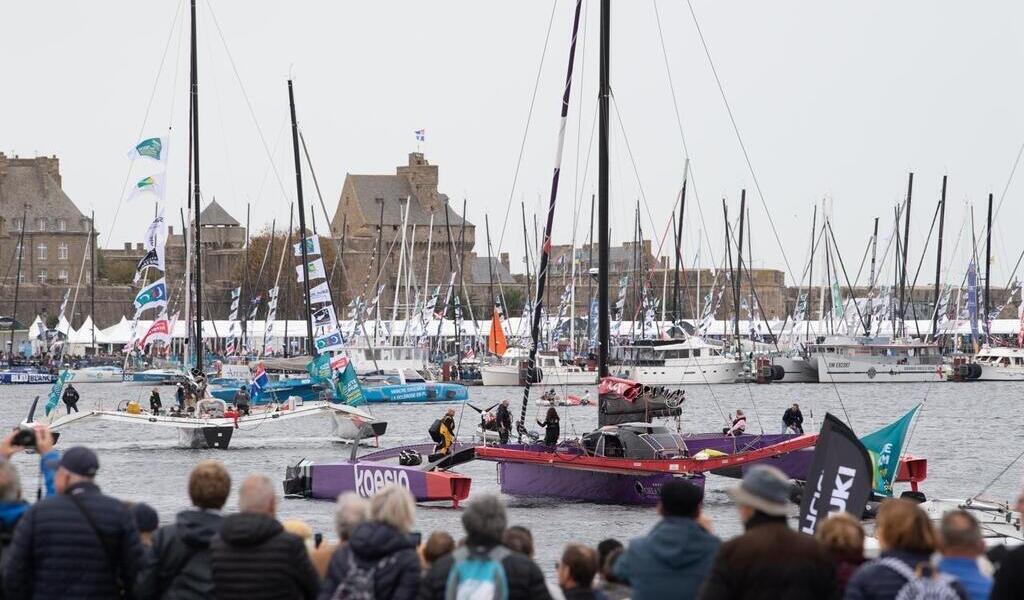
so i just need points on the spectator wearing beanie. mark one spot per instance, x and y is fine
(675, 557)
(146, 521)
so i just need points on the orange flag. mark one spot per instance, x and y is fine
(496, 343)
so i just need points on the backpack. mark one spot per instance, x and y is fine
(922, 584)
(477, 575)
(358, 583)
(435, 432)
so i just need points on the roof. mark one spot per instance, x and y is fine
(28, 186)
(394, 189)
(478, 273)
(214, 215)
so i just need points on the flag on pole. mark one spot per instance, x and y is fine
(156, 233)
(154, 184)
(260, 379)
(320, 294)
(312, 246)
(421, 135)
(324, 317)
(154, 148)
(316, 270)
(153, 295)
(885, 446)
(55, 391)
(330, 341)
(151, 259)
(159, 331)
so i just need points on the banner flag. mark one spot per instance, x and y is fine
(885, 446)
(840, 476)
(154, 184)
(153, 295)
(312, 246)
(320, 294)
(316, 270)
(154, 148)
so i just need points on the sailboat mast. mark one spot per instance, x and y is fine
(545, 248)
(246, 292)
(92, 276)
(17, 278)
(196, 195)
(302, 219)
(906, 244)
(810, 275)
(938, 261)
(490, 272)
(738, 277)
(871, 277)
(603, 224)
(988, 265)
(676, 316)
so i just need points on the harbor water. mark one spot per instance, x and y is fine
(969, 432)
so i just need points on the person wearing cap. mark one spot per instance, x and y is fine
(769, 560)
(675, 557)
(79, 543)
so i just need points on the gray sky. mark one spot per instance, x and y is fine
(835, 100)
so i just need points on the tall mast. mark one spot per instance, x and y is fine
(679, 246)
(738, 278)
(545, 248)
(988, 264)
(196, 195)
(17, 277)
(246, 292)
(490, 272)
(603, 224)
(92, 276)
(302, 220)
(906, 244)
(871, 276)
(526, 248)
(810, 275)
(938, 261)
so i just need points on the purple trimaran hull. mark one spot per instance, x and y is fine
(537, 480)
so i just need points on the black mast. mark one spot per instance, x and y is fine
(302, 220)
(871, 278)
(245, 292)
(810, 276)
(988, 264)
(196, 196)
(526, 246)
(938, 261)
(738, 277)
(17, 279)
(679, 251)
(906, 244)
(92, 276)
(603, 225)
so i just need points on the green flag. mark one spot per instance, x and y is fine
(338, 373)
(885, 447)
(348, 385)
(55, 391)
(320, 369)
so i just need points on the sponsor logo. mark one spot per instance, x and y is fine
(845, 477)
(371, 479)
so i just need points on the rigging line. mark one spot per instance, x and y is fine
(679, 123)
(529, 119)
(145, 119)
(1000, 474)
(245, 96)
(1016, 163)
(739, 138)
(636, 172)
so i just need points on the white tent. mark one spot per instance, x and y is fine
(83, 338)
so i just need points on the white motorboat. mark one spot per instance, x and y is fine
(550, 370)
(797, 368)
(1000, 364)
(860, 360)
(693, 361)
(101, 374)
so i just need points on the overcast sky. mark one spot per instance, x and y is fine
(833, 100)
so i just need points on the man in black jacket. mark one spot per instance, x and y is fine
(254, 557)
(70, 398)
(484, 520)
(770, 560)
(793, 420)
(504, 419)
(77, 544)
(177, 565)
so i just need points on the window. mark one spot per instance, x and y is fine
(21, 277)
(41, 251)
(17, 249)
(62, 276)
(41, 224)
(62, 251)
(62, 225)
(17, 224)
(41, 277)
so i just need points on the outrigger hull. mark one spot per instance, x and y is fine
(535, 480)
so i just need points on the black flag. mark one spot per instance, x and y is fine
(151, 259)
(840, 476)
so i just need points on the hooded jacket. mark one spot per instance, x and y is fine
(670, 562)
(254, 558)
(177, 566)
(380, 546)
(525, 580)
(875, 581)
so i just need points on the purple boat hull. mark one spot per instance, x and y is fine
(794, 464)
(365, 478)
(523, 479)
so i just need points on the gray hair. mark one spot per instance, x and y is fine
(960, 531)
(257, 495)
(351, 510)
(393, 505)
(484, 519)
(10, 483)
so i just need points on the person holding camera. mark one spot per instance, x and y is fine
(79, 543)
(12, 504)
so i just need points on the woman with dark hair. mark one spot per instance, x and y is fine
(551, 427)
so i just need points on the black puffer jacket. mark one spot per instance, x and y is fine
(397, 575)
(57, 554)
(525, 580)
(177, 566)
(255, 558)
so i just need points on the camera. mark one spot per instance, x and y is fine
(25, 437)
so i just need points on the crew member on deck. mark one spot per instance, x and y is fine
(444, 435)
(179, 396)
(70, 398)
(739, 425)
(154, 402)
(504, 422)
(793, 420)
(551, 427)
(242, 401)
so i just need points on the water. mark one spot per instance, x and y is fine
(968, 432)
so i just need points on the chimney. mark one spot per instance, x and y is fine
(138, 246)
(128, 246)
(505, 262)
(170, 230)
